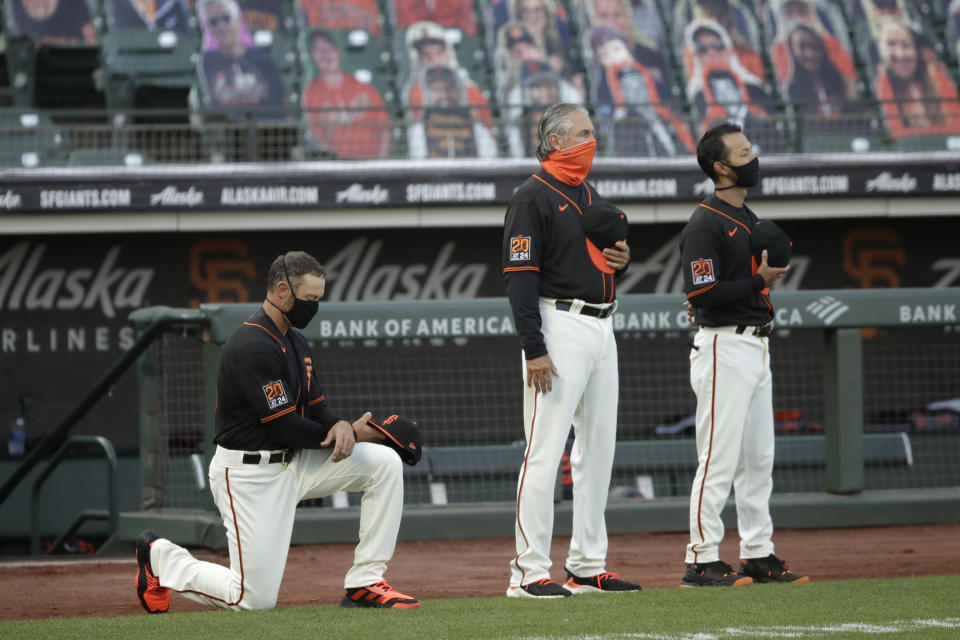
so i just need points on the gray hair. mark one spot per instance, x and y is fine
(556, 120)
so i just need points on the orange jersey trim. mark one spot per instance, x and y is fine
(269, 333)
(731, 219)
(565, 197)
(521, 269)
(317, 400)
(277, 415)
(699, 291)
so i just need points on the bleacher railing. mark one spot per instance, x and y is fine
(35, 138)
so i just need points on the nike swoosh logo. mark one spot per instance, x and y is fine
(732, 232)
(563, 207)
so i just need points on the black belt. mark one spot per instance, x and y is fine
(596, 312)
(255, 457)
(762, 331)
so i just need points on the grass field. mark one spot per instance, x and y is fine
(909, 607)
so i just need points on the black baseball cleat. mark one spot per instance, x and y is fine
(713, 574)
(153, 597)
(606, 582)
(545, 588)
(770, 569)
(380, 596)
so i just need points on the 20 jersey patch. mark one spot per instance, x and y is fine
(702, 269)
(519, 248)
(275, 394)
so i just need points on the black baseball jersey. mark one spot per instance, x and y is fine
(545, 253)
(267, 397)
(719, 270)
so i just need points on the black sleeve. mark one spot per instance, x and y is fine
(293, 430)
(320, 411)
(700, 262)
(523, 290)
(522, 241)
(262, 378)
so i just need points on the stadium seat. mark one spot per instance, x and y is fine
(450, 14)
(148, 69)
(467, 52)
(114, 157)
(50, 62)
(828, 100)
(368, 57)
(335, 14)
(918, 97)
(349, 118)
(646, 42)
(272, 16)
(935, 142)
(734, 16)
(247, 107)
(30, 139)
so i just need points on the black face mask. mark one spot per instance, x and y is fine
(302, 311)
(748, 175)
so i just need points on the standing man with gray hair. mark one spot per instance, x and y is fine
(563, 246)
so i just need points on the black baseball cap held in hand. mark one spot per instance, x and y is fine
(604, 225)
(402, 435)
(767, 235)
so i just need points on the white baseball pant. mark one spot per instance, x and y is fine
(258, 504)
(730, 375)
(585, 394)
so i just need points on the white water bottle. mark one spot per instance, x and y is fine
(16, 445)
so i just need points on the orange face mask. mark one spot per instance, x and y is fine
(571, 166)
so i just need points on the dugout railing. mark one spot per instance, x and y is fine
(866, 392)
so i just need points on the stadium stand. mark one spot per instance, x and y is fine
(344, 106)
(417, 36)
(334, 14)
(800, 75)
(148, 61)
(918, 97)
(454, 14)
(52, 50)
(721, 88)
(426, 44)
(30, 139)
(646, 49)
(362, 53)
(446, 126)
(737, 21)
(249, 79)
(107, 158)
(548, 28)
(812, 63)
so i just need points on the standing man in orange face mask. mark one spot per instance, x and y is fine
(563, 247)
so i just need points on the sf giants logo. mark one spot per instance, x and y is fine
(519, 248)
(275, 394)
(222, 270)
(702, 271)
